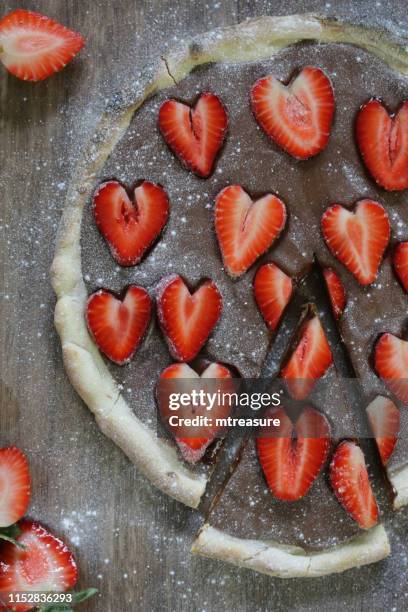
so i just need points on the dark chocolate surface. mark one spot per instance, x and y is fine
(188, 245)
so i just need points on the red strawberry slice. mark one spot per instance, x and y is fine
(297, 116)
(292, 455)
(336, 291)
(400, 261)
(45, 564)
(130, 228)
(383, 142)
(187, 319)
(15, 485)
(194, 135)
(246, 229)
(117, 325)
(32, 47)
(272, 290)
(384, 419)
(309, 361)
(350, 482)
(358, 239)
(391, 364)
(180, 378)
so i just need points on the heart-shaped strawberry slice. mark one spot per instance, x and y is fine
(196, 134)
(358, 239)
(298, 116)
(383, 142)
(292, 455)
(116, 325)
(180, 378)
(391, 364)
(272, 290)
(246, 229)
(130, 228)
(187, 319)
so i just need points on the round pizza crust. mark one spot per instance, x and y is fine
(156, 458)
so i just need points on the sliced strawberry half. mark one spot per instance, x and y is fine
(181, 378)
(400, 261)
(358, 239)
(246, 229)
(350, 482)
(297, 116)
(32, 47)
(309, 361)
(116, 325)
(292, 455)
(187, 319)
(383, 142)
(15, 485)
(272, 290)
(336, 291)
(391, 364)
(196, 134)
(44, 565)
(130, 228)
(384, 419)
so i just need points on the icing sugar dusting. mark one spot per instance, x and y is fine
(157, 527)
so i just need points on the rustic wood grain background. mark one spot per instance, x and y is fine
(130, 541)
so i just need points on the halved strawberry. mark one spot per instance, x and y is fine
(187, 319)
(118, 325)
(180, 378)
(391, 364)
(358, 239)
(297, 116)
(384, 419)
(15, 485)
(196, 134)
(350, 482)
(383, 142)
(292, 455)
(309, 361)
(336, 291)
(130, 228)
(272, 290)
(44, 565)
(400, 261)
(32, 47)
(246, 229)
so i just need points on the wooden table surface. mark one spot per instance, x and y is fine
(130, 541)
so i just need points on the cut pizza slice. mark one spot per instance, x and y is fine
(372, 328)
(300, 501)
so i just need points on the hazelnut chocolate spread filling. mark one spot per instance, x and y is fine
(248, 509)
(188, 247)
